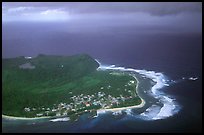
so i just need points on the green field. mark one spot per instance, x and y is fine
(50, 85)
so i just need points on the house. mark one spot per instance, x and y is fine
(27, 109)
(65, 113)
(73, 110)
(39, 114)
(87, 104)
(132, 81)
(53, 110)
(95, 103)
(58, 114)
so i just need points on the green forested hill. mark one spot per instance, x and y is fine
(46, 81)
(51, 67)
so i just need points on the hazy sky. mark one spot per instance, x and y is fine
(102, 29)
(153, 8)
(185, 15)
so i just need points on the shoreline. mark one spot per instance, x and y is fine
(124, 108)
(23, 118)
(99, 110)
(129, 107)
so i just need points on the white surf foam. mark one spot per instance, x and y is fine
(100, 112)
(193, 78)
(155, 112)
(60, 119)
(169, 107)
(150, 112)
(117, 112)
(128, 111)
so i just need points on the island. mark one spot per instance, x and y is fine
(49, 86)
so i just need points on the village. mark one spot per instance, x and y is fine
(85, 103)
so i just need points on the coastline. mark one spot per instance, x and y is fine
(124, 108)
(23, 118)
(129, 107)
(99, 110)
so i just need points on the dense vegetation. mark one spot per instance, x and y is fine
(55, 79)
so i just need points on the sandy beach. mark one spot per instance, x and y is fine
(123, 108)
(23, 118)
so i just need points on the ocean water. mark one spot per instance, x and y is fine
(176, 56)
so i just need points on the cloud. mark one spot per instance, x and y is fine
(53, 15)
(153, 8)
(53, 11)
(16, 10)
(32, 13)
(19, 9)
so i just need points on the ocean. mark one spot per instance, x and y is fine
(177, 56)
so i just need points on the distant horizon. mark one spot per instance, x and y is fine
(96, 28)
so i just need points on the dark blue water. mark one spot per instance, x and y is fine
(175, 55)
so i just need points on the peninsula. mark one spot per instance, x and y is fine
(55, 86)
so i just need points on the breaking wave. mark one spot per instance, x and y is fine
(60, 119)
(169, 106)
